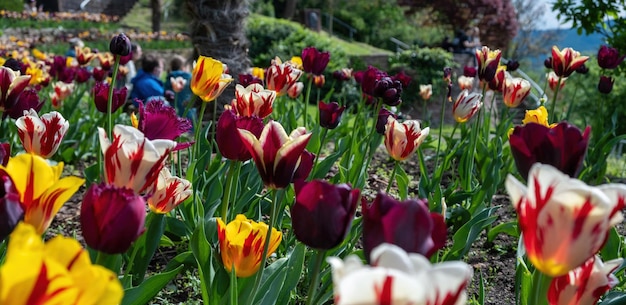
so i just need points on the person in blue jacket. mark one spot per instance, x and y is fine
(178, 68)
(147, 83)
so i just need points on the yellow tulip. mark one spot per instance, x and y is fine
(208, 80)
(539, 116)
(242, 242)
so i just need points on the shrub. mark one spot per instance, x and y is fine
(12, 5)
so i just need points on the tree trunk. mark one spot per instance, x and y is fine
(156, 15)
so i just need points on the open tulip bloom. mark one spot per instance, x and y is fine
(466, 105)
(170, 191)
(398, 277)
(208, 80)
(11, 86)
(403, 139)
(41, 136)
(253, 100)
(563, 221)
(280, 76)
(566, 61)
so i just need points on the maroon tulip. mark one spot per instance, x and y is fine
(330, 114)
(111, 218)
(99, 74)
(368, 78)
(582, 69)
(67, 75)
(227, 137)
(608, 58)
(383, 114)
(5, 153)
(125, 59)
(404, 79)
(120, 45)
(322, 213)
(248, 79)
(469, 71)
(14, 65)
(314, 61)
(82, 75)
(101, 95)
(605, 85)
(57, 65)
(27, 100)
(159, 121)
(11, 212)
(562, 146)
(548, 63)
(389, 91)
(305, 167)
(407, 224)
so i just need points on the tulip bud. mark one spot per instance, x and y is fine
(330, 114)
(120, 45)
(512, 65)
(582, 70)
(319, 81)
(605, 85)
(111, 218)
(608, 58)
(227, 136)
(314, 61)
(29, 99)
(11, 212)
(383, 114)
(101, 95)
(389, 90)
(548, 63)
(469, 71)
(426, 91)
(466, 105)
(343, 75)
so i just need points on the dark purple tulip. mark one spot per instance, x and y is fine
(26, 100)
(125, 59)
(67, 75)
(368, 78)
(305, 167)
(14, 64)
(101, 94)
(314, 61)
(582, 69)
(512, 65)
(605, 85)
(469, 71)
(159, 121)
(57, 66)
(111, 218)
(608, 58)
(248, 79)
(548, 63)
(5, 153)
(82, 75)
(389, 91)
(322, 213)
(330, 114)
(447, 73)
(407, 224)
(343, 75)
(227, 136)
(562, 146)
(120, 45)
(99, 74)
(404, 79)
(383, 114)
(11, 212)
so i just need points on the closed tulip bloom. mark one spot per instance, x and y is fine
(469, 71)
(381, 122)
(562, 146)
(398, 277)
(111, 217)
(227, 135)
(605, 84)
(322, 213)
(170, 191)
(280, 77)
(248, 79)
(208, 80)
(42, 136)
(466, 105)
(120, 45)
(345, 74)
(389, 90)
(100, 93)
(178, 83)
(242, 242)
(585, 284)
(566, 61)
(99, 74)
(426, 91)
(11, 86)
(11, 212)
(499, 80)
(57, 272)
(608, 58)
(295, 90)
(314, 61)
(276, 154)
(403, 139)
(465, 83)
(253, 100)
(515, 91)
(319, 81)
(512, 65)
(131, 160)
(553, 81)
(158, 121)
(42, 191)
(563, 221)
(330, 114)
(407, 224)
(488, 62)
(29, 99)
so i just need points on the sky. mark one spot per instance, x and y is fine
(550, 20)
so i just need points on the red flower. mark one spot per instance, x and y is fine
(608, 58)
(5, 153)
(368, 78)
(11, 212)
(159, 121)
(605, 84)
(566, 61)
(281, 76)
(253, 100)
(42, 136)
(170, 191)
(101, 95)
(403, 139)
(314, 61)
(488, 62)
(11, 86)
(228, 141)
(330, 114)
(29, 99)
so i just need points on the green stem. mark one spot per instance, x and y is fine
(467, 183)
(393, 176)
(317, 103)
(319, 259)
(553, 117)
(234, 300)
(541, 283)
(198, 128)
(319, 150)
(232, 168)
(306, 101)
(109, 261)
(116, 67)
(441, 118)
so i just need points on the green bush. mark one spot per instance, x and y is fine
(12, 5)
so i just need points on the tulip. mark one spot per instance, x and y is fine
(553, 81)
(499, 80)
(276, 154)
(295, 90)
(99, 74)
(63, 90)
(404, 79)
(343, 75)
(426, 91)
(13, 64)
(397, 277)
(539, 116)
(548, 63)
(322, 213)
(120, 45)
(582, 70)
(242, 242)
(465, 83)
(295, 61)
(258, 73)
(11, 86)
(100, 93)
(159, 121)
(605, 85)
(403, 139)
(5, 153)
(82, 75)
(111, 217)
(84, 55)
(253, 100)
(67, 75)
(368, 78)
(563, 221)
(248, 79)
(585, 284)
(608, 58)
(566, 61)
(11, 212)
(562, 146)
(57, 272)
(178, 83)
(466, 105)
(382, 120)
(305, 167)
(169, 193)
(488, 61)
(227, 135)
(29, 99)
(208, 80)
(330, 114)
(515, 91)
(388, 90)
(132, 160)
(41, 191)
(407, 224)
(314, 61)
(280, 77)
(42, 136)
(319, 81)
(469, 71)
(512, 65)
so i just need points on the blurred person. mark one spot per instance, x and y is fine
(136, 54)
(179, 68)
(74, 42)
(147, 83)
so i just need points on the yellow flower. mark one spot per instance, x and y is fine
(539, 116)
(242, 242)
(296, 62)
(41, 191)
(208, 79)
(57, 272)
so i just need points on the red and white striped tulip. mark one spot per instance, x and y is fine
(178, 83)
(170, 191)
(514, 92)
(253, 100)
(465, 82)
(566, 61)
(11, 86)
(553, 81)
(466, 105)
(281, 76)
(403, 139)
(563, 220)
(41, 136)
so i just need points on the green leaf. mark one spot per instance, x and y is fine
(510, 228)
(324, 165)
(146, 245)
(524, 277)
(613, 247)
(294, 271)
(614, 298)
(92, 173)
(145, 292)
(272, 283)
(402, 180)
(202, 252)
(467, 234)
